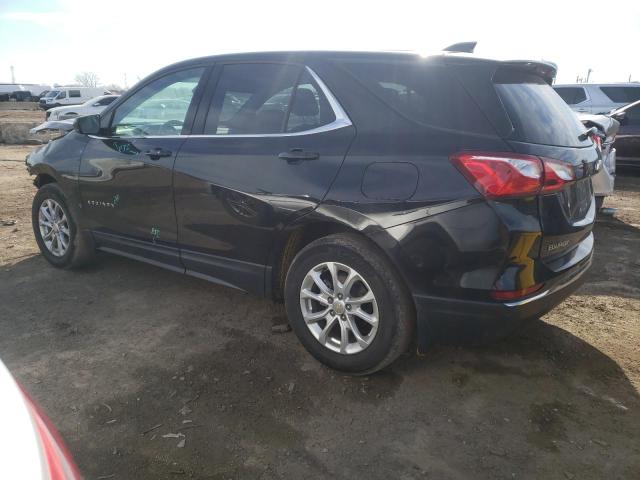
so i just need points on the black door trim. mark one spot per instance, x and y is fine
(156, 254)
(239, 274)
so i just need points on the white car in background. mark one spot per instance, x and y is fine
(598, 98)
(91, 107)
(30, 447)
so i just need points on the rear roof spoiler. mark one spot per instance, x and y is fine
(546, 70)
(462, 47)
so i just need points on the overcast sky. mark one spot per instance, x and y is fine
(51, 41)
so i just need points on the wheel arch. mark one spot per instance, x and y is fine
(43, 179)
(322, 222)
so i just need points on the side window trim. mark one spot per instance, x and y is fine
(341, 118)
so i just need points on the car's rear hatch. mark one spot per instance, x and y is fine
(533, 120)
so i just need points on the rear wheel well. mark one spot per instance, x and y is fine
(296, 241)
(42, 179)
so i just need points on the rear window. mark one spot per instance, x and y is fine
(424, 93)
(622, 94)
(536, 111)
(571, 95)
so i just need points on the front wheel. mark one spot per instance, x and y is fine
(347, 304)
(55, 227)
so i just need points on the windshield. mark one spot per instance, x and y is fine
(537, 112)
(52, 94)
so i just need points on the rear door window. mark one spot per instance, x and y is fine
(622, 94)
(537, 113)
(426, 94)
(571, 95)
(74, 94)
(251, 99)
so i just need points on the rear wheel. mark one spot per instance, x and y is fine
(55, 227)
(347, 305)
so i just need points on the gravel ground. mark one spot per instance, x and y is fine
(149, 374)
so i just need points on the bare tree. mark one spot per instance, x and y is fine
(87, 79)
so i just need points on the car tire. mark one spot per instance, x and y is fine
(392, 306)
(65, 245)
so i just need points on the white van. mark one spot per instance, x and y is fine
(62, 96)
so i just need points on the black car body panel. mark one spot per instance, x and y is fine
(227, 207)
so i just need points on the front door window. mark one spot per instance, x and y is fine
(158, 109)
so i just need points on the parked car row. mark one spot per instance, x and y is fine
(613, 111)
(25, 92)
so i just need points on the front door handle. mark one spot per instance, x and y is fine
(158, 153)
(296, 155)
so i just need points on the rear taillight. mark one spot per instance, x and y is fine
(504, 175)
(556, 175)
(506, 295)
(59, 464)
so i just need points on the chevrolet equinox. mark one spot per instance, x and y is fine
(384, 197)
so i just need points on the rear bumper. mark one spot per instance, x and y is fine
(447, 321)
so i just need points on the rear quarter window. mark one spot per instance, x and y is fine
(536, 111)
(426, 94)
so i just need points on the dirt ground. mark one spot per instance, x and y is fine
(20, 112)
(126, 358)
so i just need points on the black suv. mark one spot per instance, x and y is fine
(377, 194)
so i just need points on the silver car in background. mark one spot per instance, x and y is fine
(607, 128)
(598, 98)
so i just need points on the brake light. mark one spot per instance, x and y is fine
(59, 464)
(597, 141)
(500, 175)
(505, 175)
(515, 294)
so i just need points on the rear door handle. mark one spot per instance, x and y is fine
(157, 153)
(298, 154)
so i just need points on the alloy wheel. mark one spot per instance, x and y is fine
(339, 308)
(54, 227)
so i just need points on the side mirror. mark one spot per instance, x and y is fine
(88, 125)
